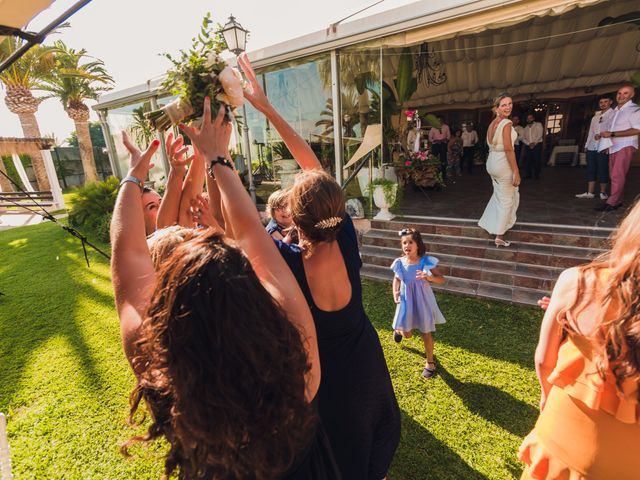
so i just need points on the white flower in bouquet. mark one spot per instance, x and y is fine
(212, 59)
(232, 84)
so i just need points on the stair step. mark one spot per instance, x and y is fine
(521, 252)
(474, 266)
(494, 271)
(467, 287)
(542, 234)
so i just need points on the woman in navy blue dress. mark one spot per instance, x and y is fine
(357, 404)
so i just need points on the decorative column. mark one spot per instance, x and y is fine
(56, 191)
(22, 172)
(31, 130)
(5, 184)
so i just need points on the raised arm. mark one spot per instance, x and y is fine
(131, 268)
(299, 148)
(168, 213)
(212, 139)
(191, 188)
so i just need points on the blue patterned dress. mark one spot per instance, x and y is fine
(417, 309)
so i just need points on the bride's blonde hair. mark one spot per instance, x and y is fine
(617, 337)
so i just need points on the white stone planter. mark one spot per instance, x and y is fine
(381, 202)
(363, 178)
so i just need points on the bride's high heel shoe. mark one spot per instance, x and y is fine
(502, 243)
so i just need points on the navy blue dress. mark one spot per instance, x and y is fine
(357, 404)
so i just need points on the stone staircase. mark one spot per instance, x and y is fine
(474, 266)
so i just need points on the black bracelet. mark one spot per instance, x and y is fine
(221, 161)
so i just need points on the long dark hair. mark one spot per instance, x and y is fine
(221, 368)
(617, 335)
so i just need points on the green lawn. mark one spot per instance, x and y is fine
(64, 381)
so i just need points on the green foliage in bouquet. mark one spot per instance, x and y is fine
(92, 207)
(190, 77)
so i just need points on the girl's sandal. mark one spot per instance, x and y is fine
(428, 373)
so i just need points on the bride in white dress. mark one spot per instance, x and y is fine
(500, 213)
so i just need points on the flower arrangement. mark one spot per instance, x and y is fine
(421, 168)
(419, 159)
(196, 74)
(411, 115)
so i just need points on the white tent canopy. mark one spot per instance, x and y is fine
(18, 13)
(536, 52)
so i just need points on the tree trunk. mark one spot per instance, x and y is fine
(30, 129)
(5, 184)
(86, 151)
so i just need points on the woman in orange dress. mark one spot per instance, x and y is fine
(588, 365)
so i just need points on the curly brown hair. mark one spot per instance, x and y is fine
(617, 290)
(316, 197)
(223, 369)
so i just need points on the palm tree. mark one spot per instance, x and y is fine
(73, 81)
(19, 81)
(349, 105)
(358, 68)
(140, 128)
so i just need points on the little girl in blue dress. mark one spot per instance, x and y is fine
(416, 305)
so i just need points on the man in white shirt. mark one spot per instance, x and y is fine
(622, 131)
(532, 149)
(469, 142)
(517, 145)
(439, 139)
(597, 161)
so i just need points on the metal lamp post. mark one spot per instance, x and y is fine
(236, 38)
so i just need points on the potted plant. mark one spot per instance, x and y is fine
(385, 196)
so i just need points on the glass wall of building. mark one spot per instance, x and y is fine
(130, 118)
(361, 111)
(300, 91)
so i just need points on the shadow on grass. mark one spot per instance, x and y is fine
(421, 452)
(44, 290)
(491, 328)
(492, 404)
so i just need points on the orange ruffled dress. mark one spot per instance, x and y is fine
(587, 429)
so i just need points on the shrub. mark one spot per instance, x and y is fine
(92, 207)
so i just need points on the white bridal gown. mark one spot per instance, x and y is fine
(500, 214)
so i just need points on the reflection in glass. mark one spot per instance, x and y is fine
(360, 102)
(299, 93)
(130, 118)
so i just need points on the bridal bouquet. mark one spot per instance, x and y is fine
(198, 73)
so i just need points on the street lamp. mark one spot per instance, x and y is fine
(235, 36)
(236, 39)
